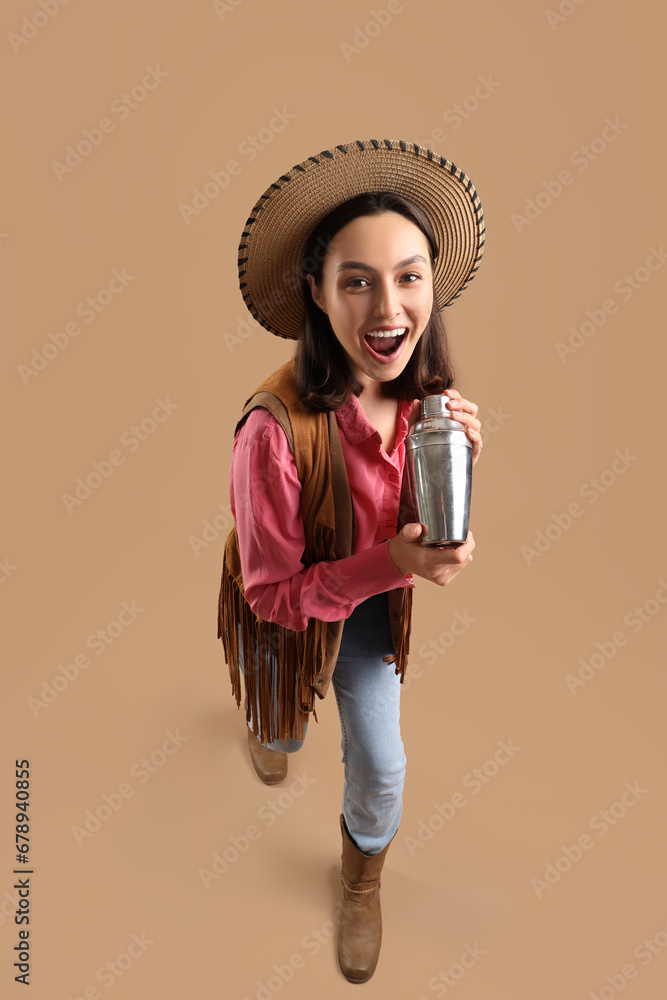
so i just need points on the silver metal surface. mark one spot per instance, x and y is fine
(438, 456)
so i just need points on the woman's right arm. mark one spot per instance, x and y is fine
(265, 497)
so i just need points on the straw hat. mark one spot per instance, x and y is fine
(273, 241)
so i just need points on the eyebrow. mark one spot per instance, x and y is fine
(358, 265)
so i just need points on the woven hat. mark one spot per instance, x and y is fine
(272, 245)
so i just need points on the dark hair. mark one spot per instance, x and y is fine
(323, 377)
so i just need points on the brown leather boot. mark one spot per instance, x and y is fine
(271, 765)
(360, 929)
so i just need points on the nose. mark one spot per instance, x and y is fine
(386, 303)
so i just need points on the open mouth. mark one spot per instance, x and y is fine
(386, 344)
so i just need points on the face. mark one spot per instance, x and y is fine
(377, 276)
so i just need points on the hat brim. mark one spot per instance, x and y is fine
(273, 241)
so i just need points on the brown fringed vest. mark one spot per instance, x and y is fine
(305, 660)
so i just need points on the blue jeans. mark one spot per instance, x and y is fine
(367, 693)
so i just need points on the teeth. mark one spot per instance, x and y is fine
(388, 333)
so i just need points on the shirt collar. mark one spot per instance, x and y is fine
(356, 426)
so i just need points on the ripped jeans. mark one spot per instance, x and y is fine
(367, 693)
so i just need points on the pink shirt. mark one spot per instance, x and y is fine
(265, 494)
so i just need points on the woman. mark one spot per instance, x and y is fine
(353, 254)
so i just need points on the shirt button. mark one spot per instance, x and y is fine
(389, 524)
(393, 478)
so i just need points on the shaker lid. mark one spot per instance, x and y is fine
(435, 406)
(437, 425)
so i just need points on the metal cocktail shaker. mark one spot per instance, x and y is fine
(438, 456)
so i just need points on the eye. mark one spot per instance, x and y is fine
(353, 282)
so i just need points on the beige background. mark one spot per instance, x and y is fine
(153, 531)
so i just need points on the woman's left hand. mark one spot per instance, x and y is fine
(462, 410)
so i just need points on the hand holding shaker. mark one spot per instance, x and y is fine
(438, 456)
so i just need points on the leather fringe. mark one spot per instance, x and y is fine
(404, 638)
(285, 662)
(400, 657)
